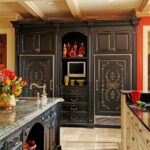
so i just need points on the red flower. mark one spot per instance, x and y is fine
(14, 88)
(9, 73)
(23, 83)
(2, 67)
(10, 84)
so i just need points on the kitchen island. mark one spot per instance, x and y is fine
(31, 124)
(135, 123)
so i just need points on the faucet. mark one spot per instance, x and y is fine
(44, 95)
(43, 87)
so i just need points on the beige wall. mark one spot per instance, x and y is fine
(7, 28)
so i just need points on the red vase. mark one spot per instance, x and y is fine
(135, 96)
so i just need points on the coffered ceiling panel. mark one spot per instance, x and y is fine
(100, 8)
(57, 8)
(73, 9)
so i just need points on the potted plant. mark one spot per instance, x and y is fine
(10, 87)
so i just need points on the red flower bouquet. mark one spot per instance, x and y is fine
(10, 84)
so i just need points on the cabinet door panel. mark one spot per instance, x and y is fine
(39, 70)
(122, 41)
(46, 43)
(37, 43)
(112, 74)
(113, 40)
(28, 43)
(103, 41)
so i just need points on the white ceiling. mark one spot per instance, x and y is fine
(73, 9)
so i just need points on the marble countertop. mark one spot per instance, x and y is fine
(25, 111)
(143, 115)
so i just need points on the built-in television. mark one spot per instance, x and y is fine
(76, 69)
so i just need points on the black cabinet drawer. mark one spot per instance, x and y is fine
(74, 118)
(50, 114)
(15, 141)
(70, 90)
(75, 99)
(74, 107)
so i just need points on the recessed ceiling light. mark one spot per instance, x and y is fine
(110, 1)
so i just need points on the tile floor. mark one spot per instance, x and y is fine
(90, 138)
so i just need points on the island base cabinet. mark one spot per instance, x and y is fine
(135, 136)
(50, 136)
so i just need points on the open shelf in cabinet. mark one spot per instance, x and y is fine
(74, 65)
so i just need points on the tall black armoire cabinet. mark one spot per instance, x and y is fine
(35, 55)
(114, 46)
(85, 62)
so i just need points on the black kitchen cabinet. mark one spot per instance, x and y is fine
(43, 130)
(37, 42)
(15, 142)
(37, 69)
(35, 56)
(112, 74)
(51, 131)
(113, 39)
(109, 51)
(75, 108)
(74, 65)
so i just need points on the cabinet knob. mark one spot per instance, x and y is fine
(42, 118)
(37, 50)
(133, 138)
(147, 140)
(74, 100)
(140, 130)
(74, 108)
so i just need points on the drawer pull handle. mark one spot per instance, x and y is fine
(74, 100)
(140, 130)
(74, 90)
(51, 85)
(97, 85)
(133, 138)
(147, 140)
(73, 108)
(73, 117)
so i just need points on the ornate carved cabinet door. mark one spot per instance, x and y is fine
(37, 69)
(112, 74)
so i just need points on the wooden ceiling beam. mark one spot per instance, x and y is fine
(143, 9)
(32, 8)
(74, 8)
(143, 5)
(29, 6)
